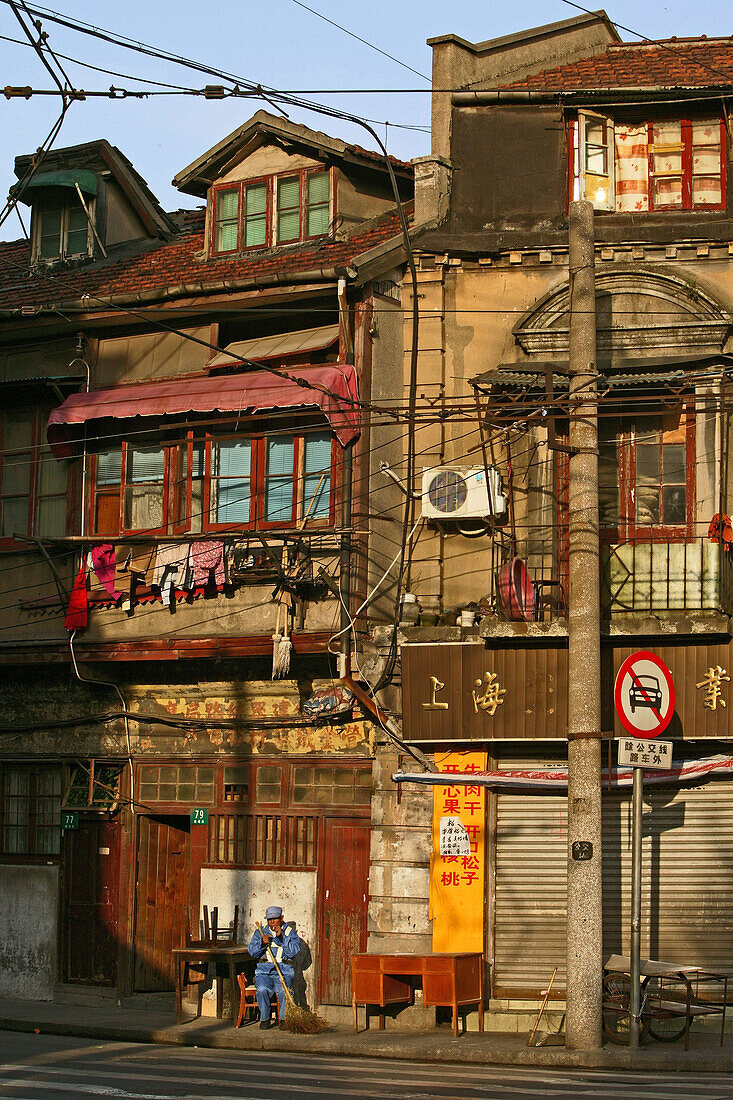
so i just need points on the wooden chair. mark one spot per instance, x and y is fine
(226, 934)
(248, 1000)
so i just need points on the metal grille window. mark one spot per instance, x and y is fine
(30, 810)
(332, 786)
(176, 783)
(263, 840)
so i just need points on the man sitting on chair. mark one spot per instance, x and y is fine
(284, 944)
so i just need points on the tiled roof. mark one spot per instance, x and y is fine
(161, 265)
(677, 63)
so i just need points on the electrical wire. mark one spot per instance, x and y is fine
(360, 39)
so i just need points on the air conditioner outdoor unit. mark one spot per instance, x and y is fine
(461, 492)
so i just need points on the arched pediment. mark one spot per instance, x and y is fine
(637, 312)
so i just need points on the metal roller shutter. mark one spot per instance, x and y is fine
(687, 882)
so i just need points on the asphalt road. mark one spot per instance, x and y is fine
(47, 1067)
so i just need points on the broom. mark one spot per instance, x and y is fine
(300, 1020)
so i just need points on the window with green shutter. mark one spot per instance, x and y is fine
(226, 230)
(279, 465)
(255, 214)
(317, 204)
(288, 209)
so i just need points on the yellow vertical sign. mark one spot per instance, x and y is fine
(457, 881)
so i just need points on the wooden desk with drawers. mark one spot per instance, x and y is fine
(447, 980)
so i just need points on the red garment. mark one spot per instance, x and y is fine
(77, 614)
(721, 530)
(103, 564)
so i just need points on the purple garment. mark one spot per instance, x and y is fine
(103, 564)
(206, 558)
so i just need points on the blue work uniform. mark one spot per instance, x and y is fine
(284, 947)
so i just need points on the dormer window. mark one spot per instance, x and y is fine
(275, 210)
(666, 164)
(62, 230)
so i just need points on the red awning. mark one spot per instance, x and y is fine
(331, 388)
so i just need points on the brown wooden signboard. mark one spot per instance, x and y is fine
(459, 691)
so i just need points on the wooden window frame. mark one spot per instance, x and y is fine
(627, 528)
(122, 530)
(174, 493)
(31, 855)
(38, 416)
(575, 166)
(63, 204)
(272, 184)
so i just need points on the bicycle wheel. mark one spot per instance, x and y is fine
(616, 1013)
(665, 1001)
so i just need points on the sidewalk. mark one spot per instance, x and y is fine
(437, 1045)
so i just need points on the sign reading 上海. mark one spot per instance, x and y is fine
(635, 752)
(454, 839)
(644, 695)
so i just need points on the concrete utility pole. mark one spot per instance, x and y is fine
(584, 901)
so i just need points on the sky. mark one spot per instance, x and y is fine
(280, 44)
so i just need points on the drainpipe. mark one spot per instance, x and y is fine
(584, 882)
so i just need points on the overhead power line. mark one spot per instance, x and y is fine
(358, 38)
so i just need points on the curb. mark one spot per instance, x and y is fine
(458, 1051)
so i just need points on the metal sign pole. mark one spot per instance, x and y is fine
(635, 967)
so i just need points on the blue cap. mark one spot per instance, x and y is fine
(272, 912)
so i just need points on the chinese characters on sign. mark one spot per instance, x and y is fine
(457, 862)
(436, 687)
(454, 839)
(490, 695)
(712, 682)
(487, 694)
(644, 754)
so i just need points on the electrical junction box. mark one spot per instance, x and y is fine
(461, 492)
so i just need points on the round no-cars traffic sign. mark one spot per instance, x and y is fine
(644, 694)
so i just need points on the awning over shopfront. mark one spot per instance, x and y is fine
(331, 388)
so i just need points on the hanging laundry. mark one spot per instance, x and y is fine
(134, 559)
(170, 568)
(77, 613)
(103, 564)
(206, 560)
(721, 530)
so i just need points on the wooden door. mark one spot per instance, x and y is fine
(162, 894)
(343, 893)
(91, 901)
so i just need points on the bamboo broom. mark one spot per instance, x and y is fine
(300, 1020)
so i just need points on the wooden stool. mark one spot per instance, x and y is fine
(248, 999)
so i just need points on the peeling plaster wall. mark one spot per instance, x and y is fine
(253, 891)
(28, 931)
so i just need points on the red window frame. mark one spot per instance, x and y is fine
(272, 184)
(627, 443)
(687, 155)
(120, 494)
(257, 520)
(38, 416)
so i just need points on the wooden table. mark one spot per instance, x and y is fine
(224, 956)
(447, 980)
